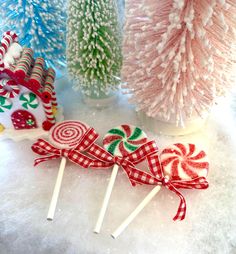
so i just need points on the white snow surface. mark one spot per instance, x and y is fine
(25, 193)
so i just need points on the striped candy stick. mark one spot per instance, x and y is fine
(119, 141)
(49, 91)
(48, 112)
(24, 63)
(178, 162)
(8, 38)
(37, 72)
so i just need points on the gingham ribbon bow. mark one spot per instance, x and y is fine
(158, 178)
(75, 155)
(107, 160)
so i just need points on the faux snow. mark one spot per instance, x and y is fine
(25, 194)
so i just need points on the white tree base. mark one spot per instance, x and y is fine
(100, 103)
(31, 134)
(168, 128)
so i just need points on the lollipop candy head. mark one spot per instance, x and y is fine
(184, 162)
(124, 139)
(67, 134)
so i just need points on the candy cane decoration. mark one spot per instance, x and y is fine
(49, 91)
(8, 38)
(8, 88)
(48, 112)
(178, 162)
(24, 63)
(119, 141)
(37, 72)
(65, 135)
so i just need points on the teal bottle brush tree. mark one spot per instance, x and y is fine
(40, 24)
(94, 47)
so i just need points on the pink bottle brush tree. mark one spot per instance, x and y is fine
(178, 55)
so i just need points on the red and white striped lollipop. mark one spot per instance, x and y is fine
(67, 134)
(64, 135)
(179, 162)
(184, 162)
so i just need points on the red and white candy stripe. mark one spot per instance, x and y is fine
(48, 112)
(67, 134)
(184, 162)
(8, 38)
(8, 88)
(37, 72)
(49, 90)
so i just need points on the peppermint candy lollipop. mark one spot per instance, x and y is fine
(64, 135)
(184, 162)
(124, 139)
(180, 166)
(67, 134)
(119, 141)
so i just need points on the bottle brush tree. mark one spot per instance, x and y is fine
(94, 46)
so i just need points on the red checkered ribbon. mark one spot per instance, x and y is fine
(158, 178)
(106, 160)
(75, 155)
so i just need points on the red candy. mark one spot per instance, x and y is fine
(184, 162)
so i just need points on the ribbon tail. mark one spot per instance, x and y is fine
(181, 212)
(40, 160)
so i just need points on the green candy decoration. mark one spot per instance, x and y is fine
(29, 100)
(5, 104)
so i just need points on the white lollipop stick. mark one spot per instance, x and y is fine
(106, 199)
(179, 153)
(138, 209)
(64, 135)
(56, 191)
(119, 141)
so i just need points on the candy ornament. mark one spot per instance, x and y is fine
(120, 141)
(124, 140)
(179, 166)
(67, 140)
(5, 104)
(8, 88)
(29, 100)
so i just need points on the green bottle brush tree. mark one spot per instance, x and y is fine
(94, 47)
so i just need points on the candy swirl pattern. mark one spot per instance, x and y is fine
(5, 104)
(184, 162)
(124, 139)
(67, 134)
(8, 88)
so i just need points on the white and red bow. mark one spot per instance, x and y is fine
(157, 177)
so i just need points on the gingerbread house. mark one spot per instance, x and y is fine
(27, 94)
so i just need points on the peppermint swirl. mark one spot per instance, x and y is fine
(67, 134)
(184, 162)
(124, 139)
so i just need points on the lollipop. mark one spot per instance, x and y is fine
(184, 162)
(120, 141)
(180, 166)
(124, 139)
(66, 140)
(64, 135)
